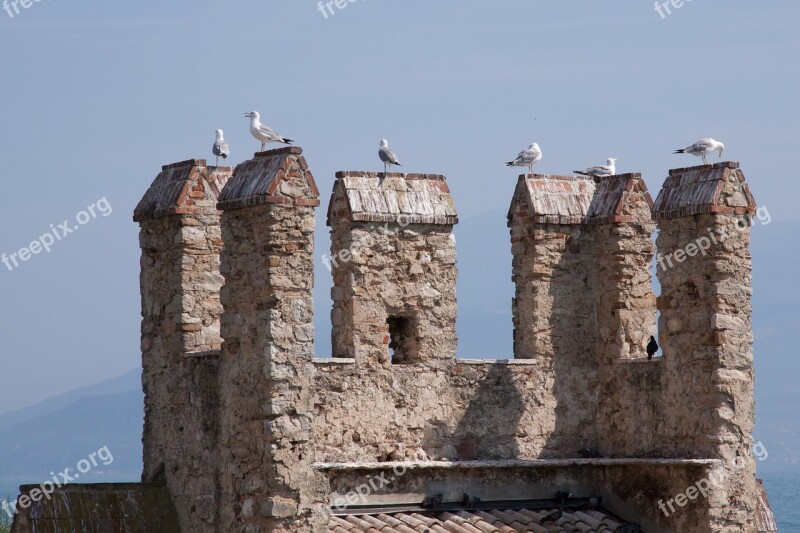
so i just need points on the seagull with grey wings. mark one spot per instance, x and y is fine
(527, 158)
(602, 171)
(220, 148)
(702, 148)
(262, 132)
(388, 156)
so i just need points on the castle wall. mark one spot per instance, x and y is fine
(180, 280)
(239, 433)
(462, 411)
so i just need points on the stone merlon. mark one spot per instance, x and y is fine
(411, 198)
(577, 200)
(718, 188)
(182, 188)
(269, 178)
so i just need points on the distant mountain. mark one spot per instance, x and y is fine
(128, 382)
(61, 431)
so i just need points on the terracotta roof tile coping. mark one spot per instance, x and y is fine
(187, 163)
(627, 175)
(286, 150)
(514, 463)
(361, 174)
(724, 164)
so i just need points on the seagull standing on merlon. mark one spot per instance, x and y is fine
(388, 156)
(527, 158)
(264, 133)
(702, 148)
(220, 148)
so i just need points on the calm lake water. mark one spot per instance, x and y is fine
(783, 488)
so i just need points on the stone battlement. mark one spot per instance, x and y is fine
(251, 432)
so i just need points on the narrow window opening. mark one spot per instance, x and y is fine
(656, 286)
(403, 341)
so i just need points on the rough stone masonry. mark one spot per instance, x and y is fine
(250, 433)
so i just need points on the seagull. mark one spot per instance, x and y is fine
(600, 171)
(652, 347)
(702, 148)
(264, 133)
(220, 148)
(527, 158)
(388, 156)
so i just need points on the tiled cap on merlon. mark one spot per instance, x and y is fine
(375, 197)
(543, 199)
(719, 188)
(273, 177)
(182, 188)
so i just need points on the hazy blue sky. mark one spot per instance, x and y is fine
(96, 96)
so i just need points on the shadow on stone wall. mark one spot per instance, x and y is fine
(490, 426)
(572, 363)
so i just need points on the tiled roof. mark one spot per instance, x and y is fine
(578, 200)
(258, 180)
(179, 186)
(373, 197)
(470, 521)
(718, 188)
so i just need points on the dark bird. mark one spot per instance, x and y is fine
(589, 453)
(652, 347)
(432, 501)
(555, 516)
(562, 497)
(471, 501)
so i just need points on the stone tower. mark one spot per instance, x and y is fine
(704, 266)
(180, 282)
(393, 260)
(266, 367)
(584, 300)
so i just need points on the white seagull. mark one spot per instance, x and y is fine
(602, 171)
(220, 148)
(527, 158)
(264, 133)
(702, 148)
(388, 156)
